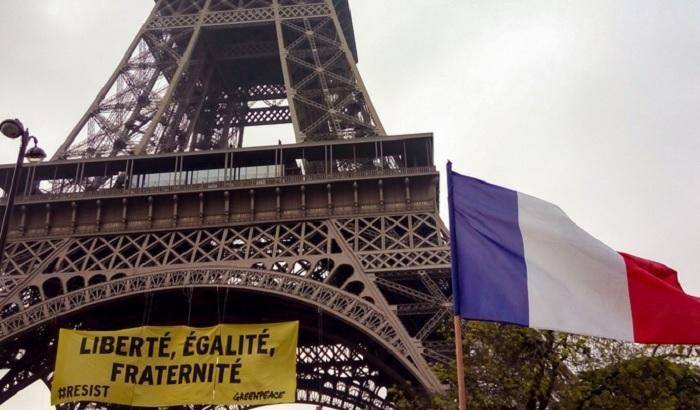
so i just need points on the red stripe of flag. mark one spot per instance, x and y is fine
(661, 311)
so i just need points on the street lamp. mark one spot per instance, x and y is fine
(15, 129)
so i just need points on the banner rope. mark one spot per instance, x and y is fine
(190, 294)
(147, 308)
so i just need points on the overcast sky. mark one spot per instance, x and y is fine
(590, 104)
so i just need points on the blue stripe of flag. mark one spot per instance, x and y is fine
(489, 275)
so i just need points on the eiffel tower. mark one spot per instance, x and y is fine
(153, 212)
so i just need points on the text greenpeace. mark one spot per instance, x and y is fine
(171, 366)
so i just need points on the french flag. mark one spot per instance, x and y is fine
(521, 260)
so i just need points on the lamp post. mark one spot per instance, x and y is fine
(15, 129)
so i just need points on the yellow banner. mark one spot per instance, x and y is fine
(170, 366)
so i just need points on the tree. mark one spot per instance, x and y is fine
(637, 383)
(506, 367)
(510, 367)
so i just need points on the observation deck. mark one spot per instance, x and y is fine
(231, 186)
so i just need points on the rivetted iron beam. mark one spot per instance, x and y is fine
(240, 16)
(417, 309)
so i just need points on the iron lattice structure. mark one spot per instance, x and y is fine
(199, 72)
(152, 211)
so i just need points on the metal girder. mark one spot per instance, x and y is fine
(417, 309)
(243, 15)
(405, 290)
(162, 98)
(297, 260)
(438, 318)
(324, 87)
(195, 76)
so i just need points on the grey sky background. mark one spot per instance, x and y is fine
(590, 104)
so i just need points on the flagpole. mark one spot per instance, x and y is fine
(459, 351)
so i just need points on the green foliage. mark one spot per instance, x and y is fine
(510, 367)
(637, 383)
